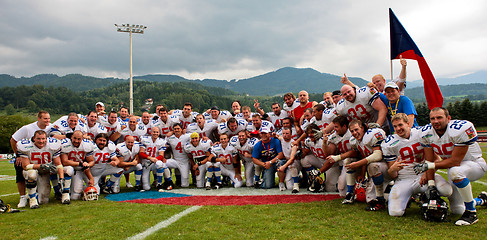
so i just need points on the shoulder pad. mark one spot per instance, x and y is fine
(111, 146)
(54, 144)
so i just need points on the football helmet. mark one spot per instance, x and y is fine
(316, 182)
(433, 207)
(90, 194)
(360, 188)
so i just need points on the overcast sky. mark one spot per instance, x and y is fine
(229, 39)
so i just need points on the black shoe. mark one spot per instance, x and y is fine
(257, 185)
(218, 186)
(349, 198)
(58, 195)
(138, 188)
(107, 190)
(159, 186)
(376, 205)
(483, 196)
(169, 185)
(468, 218)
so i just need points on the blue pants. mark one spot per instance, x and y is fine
(269, 177)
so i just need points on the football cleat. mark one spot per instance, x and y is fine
(33, 203)
(349, 198)
(218, 186)
(22, 202)
(169, 185)
(159, 186)
(138, 188)
(65, 198)
(257, 185)
(468, 218)
(107, 190)
(58, 195)
(376, 205)
(129, 185)
(483, 196)
(282, 186)
(208, 186)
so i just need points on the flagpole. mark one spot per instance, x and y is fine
(391, 71)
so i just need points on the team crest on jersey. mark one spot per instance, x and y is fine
(373, 91)
(379, 136)
(470, 132)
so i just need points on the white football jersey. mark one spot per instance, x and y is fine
(326, 118)
(199, 151)
(95, 130)
(265, 123)
(26, 148)
(185, 121)
(458, 133)
(341, 142)
(286, 148)
(138, 132)
(361, 109)
(228, 153)
(247, 147)
(166, 126)
(407, 151)
(78, 154)
(223, 128)
(105, 155)
(315, 147)
(147, 126)
(372, 138)
(276, 120)
(126, 153)
(28, 131)
(294, 133)
(61, 126)
(224, 114)
(111, 128)
(289, 109)
(177, 146)
(152, 148)
(208, 129)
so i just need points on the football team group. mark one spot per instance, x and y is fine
(357, 136)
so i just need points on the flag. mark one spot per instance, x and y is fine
(403, 44)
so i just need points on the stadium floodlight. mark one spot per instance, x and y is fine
(131, 29)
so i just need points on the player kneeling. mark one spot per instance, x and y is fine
(41, 162)
(106, 163)
(402, 151)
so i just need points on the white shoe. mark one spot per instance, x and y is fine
(33, 203)
(282, 187)
(22, 202)
(129, 185)
(65, 198)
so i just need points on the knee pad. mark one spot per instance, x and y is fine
(138, 167)
(159, 164)
(69, 170)
(31, 175)
(373, 169)
(455, 174)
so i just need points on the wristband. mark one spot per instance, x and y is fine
(29, 167)
(336, 158)
(431, 183)
(80, 164)
(431, 165)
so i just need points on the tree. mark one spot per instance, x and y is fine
(10, 110)
(8, 126)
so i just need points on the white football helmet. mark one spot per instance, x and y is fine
(90, 194)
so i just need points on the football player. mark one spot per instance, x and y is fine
(304, 103)
(27, 131)
(232, 127)
(288, 123)
(314, 157)
(322, 117)
(100, 109)
(218, 115)
(205, 128)
(68, 124)
(128, 154)
(165, 122)
(455, 141)
(186, 116)
(145, 120)
(93, 127)
(402, 151)
(112, 125)
(77, 158)
(244, 145)
(151, 155)
(180, 159)
(288, 178)
(227, 156)
(106, 163)
(124, 115)
(41, 163)
(275, 117)
(199, 151)
(258, 123)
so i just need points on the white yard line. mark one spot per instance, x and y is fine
(480, 182)
(49, 238)
(10, 194)
(6, 177)
(164, 223)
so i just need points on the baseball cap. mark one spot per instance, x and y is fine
(391, 85)
(100, 103)
(215, 108)
(265, 129)
(195, 135)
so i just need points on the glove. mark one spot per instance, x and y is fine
(298, 154)
(373, 125)
(318, 134)
(44, 169)
(420, 168)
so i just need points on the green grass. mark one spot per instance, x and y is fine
(106, 219)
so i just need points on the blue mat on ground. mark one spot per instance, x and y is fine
(143, 195)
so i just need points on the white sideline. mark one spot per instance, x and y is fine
(164, 223)
(10, 194)
(483, 183)
(49, 238)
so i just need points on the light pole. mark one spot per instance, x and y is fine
(131, 29)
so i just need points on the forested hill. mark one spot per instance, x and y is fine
(75, 82)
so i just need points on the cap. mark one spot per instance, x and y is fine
(255, 132)
(215, 108)
(195, 135)
(391, 85)
(100, 103)
(265, 129)
(336, 92)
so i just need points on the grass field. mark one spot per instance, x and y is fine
(105, 219)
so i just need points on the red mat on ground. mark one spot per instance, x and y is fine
(238, 200)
